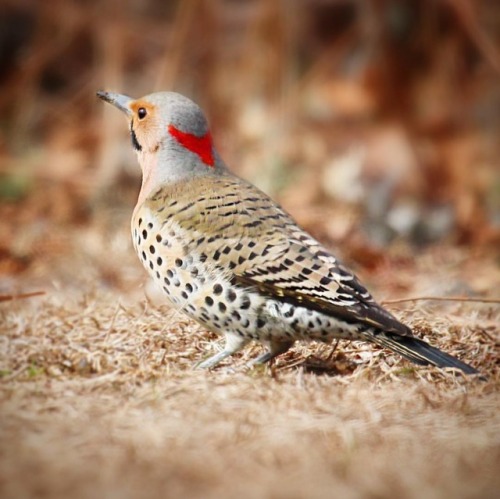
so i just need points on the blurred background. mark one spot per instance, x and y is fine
(376, 123)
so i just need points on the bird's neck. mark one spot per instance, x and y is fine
(169, 165)
(150, 174)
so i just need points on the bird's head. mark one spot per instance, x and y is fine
(169, 133)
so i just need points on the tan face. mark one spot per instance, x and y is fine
(145, 126)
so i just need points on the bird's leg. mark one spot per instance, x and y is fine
(233, 344)
(276, 347)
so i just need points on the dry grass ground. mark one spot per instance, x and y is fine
(99, 399)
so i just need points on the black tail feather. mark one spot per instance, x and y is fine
(419, 352)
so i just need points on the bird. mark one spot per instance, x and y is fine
(229, 257)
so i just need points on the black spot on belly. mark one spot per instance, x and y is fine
(245, 303)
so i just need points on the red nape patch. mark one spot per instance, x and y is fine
(202, 146)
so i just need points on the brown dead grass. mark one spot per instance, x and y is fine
(99, 399)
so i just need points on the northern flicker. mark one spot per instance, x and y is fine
(231, 258)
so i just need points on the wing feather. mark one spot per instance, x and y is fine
(257, 244)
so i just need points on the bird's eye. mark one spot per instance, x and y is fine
(141, 112)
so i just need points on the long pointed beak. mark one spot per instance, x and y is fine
(122, 102)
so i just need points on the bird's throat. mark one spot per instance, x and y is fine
(149, 167)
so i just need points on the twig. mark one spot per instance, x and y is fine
(330, 356)
(488, 335)
(14, 374)
(465, 13)
(178, 36)
(21, 295)
(441, 298)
